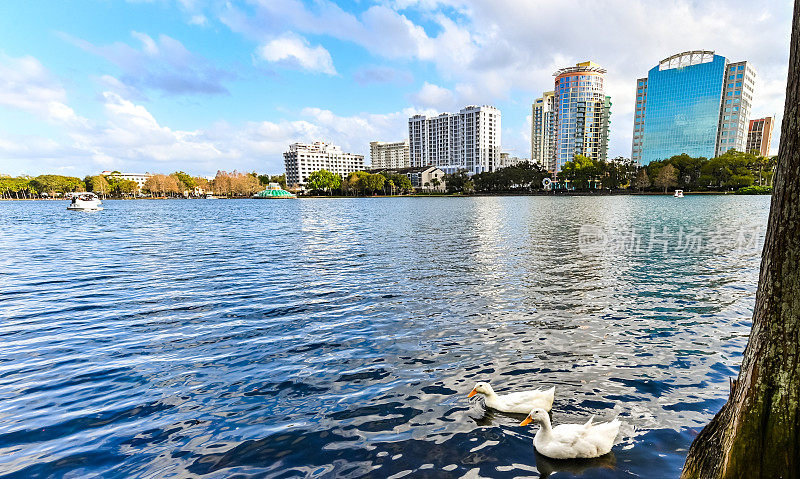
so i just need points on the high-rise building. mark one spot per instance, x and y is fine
(543, 137)
(468, 140)
(694, 102)
(759, 135)
(581, 117)
(384, 154)
(303, 159)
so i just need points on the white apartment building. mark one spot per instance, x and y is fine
(468, 140)
(140, 179)
(543, 127)
(303, 159)
(384, 154)
(737, 102)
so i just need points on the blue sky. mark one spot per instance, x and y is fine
(199, 85)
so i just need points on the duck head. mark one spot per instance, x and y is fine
(537, 416)
(481, 388)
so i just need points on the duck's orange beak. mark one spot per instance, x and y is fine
(472, 393)
(526, 421)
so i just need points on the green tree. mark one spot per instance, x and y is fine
(373, 182)
(455, 181)
(642, 180)
(187, 181)
(667, 177)
(97, 184)
(324, 180)
(281, 180)
(580, 172)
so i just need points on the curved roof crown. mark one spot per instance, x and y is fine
(685, 59)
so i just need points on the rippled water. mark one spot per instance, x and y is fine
(339, 337)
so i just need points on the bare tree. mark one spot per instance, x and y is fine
(757, 432)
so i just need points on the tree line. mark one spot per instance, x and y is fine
(359, 183)
(176, 184)
(731, 171)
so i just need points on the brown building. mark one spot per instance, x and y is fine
(759, 135)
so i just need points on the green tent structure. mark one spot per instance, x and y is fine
(274, 191)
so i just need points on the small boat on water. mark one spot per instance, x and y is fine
(274, 191)
(85, 202)
(678, 194)
(210, 197)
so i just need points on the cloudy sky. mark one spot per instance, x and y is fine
(195, 85)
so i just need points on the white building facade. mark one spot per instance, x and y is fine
(140, 179)
(468, 140)
(385, 154)
(302, 159)
(543, 137)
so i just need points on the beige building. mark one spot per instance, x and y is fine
(759, 135)
(384, 154)
(507, 160)
(302, 159)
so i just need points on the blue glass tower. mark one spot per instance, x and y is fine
(685, 106)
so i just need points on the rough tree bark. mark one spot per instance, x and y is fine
(757, 432)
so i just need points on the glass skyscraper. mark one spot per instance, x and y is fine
(687, 105)
(582, 114)
(574, 119)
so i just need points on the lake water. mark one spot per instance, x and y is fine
(340, 337)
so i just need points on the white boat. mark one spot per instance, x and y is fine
(678, 194)
(210, 197)
(85, 202)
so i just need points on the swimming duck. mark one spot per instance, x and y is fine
(519, 402)
(572, 441)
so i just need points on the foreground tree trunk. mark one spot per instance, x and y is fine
(757, 433)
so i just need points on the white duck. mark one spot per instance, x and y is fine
(571, 441)
(519, 402)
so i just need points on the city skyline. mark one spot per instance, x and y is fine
(152, 86)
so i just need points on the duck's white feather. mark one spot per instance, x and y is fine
(570, 441)
(523, 401)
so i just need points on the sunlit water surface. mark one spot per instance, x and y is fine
(339, 338)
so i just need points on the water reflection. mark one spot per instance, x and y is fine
(576, 467)
(340, 337)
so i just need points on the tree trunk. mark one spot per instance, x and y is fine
(757, 432)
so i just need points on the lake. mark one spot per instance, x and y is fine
(340, 337)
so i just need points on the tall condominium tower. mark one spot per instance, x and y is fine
(303, 159)
(759, 136)
(468, 140)
(543, 136)
(693, 102)
(582, 115)
(384, 154)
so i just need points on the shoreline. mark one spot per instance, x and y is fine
(442, 195)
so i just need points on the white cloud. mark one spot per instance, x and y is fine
(490, 51)
(295, 52)
(434, 96)
(129, 137)
(163, 64)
